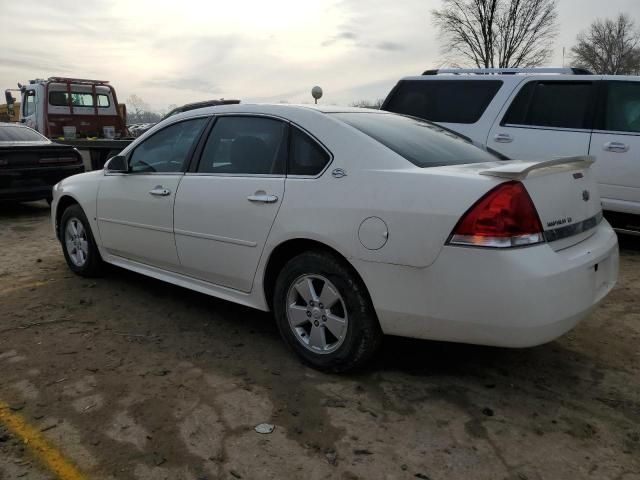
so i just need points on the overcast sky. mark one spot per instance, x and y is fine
(181, 51)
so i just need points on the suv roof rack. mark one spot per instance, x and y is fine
(507, 71)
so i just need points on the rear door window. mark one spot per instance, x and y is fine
(306, 157)
(248, 145)
(553, 104)
(622, 110)
(447, 101)
(422, 143)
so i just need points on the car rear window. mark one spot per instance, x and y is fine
(9, 133)
(448, 101)
(422, 143)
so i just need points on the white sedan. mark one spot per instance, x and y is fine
(348, 224)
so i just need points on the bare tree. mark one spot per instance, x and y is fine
(609, 47)
(368, 104)
(498, 33)
(138, 111)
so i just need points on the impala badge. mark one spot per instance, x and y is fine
(586, 195)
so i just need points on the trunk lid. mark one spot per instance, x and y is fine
(564, 192)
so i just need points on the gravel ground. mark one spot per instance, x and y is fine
(131, 378)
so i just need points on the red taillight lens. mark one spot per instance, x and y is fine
(504, 217)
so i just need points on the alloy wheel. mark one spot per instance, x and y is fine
(317, 314)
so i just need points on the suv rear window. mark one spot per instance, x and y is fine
(422, 143)
(448, 101)
(9, 133)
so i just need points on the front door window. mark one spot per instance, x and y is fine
(166, 150)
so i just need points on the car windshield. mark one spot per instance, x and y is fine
(422, 143)
(10, 133)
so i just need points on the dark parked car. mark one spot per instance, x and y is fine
(30, 164)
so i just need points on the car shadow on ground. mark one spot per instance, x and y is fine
(414, 357)
(417, 358)
(25, 210)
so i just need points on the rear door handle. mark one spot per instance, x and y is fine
(262, 198)
(160, 191)
(617, 147)
(503, 138)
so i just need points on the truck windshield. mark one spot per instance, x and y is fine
(11, 133)
(422, 143)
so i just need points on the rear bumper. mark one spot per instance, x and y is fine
(512, 298)
(33, 183)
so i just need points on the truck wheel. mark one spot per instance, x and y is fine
(78, 244)
(324, 313)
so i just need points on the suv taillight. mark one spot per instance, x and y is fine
(504, 217)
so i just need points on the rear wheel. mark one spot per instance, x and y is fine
(324, 312)
(78, 244)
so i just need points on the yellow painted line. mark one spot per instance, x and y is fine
(22, 287)
(50, 457)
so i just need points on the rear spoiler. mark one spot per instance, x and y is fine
(518, 170)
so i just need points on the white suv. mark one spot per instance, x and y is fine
(531, 114)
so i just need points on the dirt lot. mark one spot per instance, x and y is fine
(131, 378)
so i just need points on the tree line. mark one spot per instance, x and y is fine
(506, 34)
(520, 33)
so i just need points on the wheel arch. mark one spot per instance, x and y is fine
(288, 249)
(64, 202)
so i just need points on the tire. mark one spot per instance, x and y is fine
(348, 326)
(87, 263)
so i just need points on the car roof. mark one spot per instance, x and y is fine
(282, 109)
(21, 125)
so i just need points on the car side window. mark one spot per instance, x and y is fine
(103, 100)
(552, 104)
(30, 103)
(166, 150)
(245, 145)
(623, 107)
(306, 157)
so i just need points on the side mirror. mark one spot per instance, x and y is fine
(117, 164)
(10, 99)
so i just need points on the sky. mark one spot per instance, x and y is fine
(176, 52)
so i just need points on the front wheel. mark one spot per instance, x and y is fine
(324, 313)
(78, 244)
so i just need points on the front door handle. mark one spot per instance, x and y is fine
(503, 138)
(262, 198)
(160, 191)
(617, 147)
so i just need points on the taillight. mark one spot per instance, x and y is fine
(504, 217)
